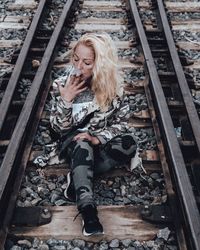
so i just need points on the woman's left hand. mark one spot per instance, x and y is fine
(94, 140)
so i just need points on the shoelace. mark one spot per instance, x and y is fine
(76, 215)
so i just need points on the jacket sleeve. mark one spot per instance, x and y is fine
(61, 115)
(61, 110)
(106, 125)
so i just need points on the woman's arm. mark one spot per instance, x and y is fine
(61, 115)
(66, 88)
(86, 136)
(106, 125)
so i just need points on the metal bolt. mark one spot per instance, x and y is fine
(45, 211)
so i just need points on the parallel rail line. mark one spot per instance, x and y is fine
(182, 182)
(39, 89)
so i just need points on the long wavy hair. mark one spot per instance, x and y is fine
(106, 80)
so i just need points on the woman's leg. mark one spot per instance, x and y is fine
(117, 151)
(82, 167)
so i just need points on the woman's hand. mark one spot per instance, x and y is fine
(72, 88)
(94, 140)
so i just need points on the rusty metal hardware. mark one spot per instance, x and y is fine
(157, 213)
(31, 216)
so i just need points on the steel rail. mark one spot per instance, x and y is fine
(165, 168)
(183, 185)
(21, 170)
(10, 89)
(186, 94)
(20, 133)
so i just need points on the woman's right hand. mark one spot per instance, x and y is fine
(72, 88)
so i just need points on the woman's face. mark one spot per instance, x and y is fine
(83, 59)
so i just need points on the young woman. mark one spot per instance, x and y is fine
(89, 113)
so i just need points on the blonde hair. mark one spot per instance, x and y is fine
(106, 79)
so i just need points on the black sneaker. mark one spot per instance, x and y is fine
(91, 224)
(69, 192)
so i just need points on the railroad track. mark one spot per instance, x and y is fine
(13, 137)
(181, 112)
(161, 104)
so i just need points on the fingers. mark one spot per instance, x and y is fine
(79, 87)
(74, 80)
(82, 136)
(72, 88)
(75, 86)
(80, 84)
(80, 90)
(77, 80)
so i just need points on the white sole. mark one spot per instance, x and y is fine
(90, 234)
(68, 183)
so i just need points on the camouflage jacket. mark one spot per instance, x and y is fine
(104, 124)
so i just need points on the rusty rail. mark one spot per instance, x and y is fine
(183, 185)
(186, 94)
(8, 95)
(11, 164)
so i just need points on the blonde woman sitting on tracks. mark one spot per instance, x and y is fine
(89, 113)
